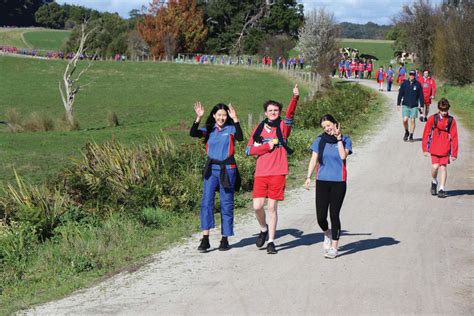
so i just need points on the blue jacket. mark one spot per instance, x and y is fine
(411, 93)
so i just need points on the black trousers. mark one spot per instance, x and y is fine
(329, 196)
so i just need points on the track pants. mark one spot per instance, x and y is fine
(330, 195)
(210, 186)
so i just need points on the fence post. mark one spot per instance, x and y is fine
(250, 120)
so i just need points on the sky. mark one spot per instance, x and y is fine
(355, 11)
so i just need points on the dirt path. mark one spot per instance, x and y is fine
(402, 250)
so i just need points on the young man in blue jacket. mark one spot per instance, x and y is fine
(410, 96)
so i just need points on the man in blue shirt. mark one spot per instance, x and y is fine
(410, 96)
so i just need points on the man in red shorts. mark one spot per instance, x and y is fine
(429, 92)
(269, 143)
(440, 139)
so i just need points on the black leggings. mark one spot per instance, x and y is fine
(330, 194)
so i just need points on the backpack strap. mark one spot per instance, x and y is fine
(448, 127)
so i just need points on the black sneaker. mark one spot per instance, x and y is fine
(442, 194)
(422, 119)
(271, 250)
(405, 138)
(411, 140)
(224, 245)
(262, 237)
(434, 186)
(204, 245)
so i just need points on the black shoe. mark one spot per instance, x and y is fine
(422, 119)
(204, 245)
(262, 237)
(405, 138)
(271, 250)
(411, 140)
(434, 186)
(442, 194)
(224, 245)
(425, 119)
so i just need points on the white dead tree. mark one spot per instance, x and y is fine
(318, 42)
(251, 19)
(69, 87)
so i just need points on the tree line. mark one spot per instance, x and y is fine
(442, 37)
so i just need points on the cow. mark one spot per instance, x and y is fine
(403, 56)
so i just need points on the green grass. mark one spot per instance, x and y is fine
(147, 97)
(461, 100)
(46, 40)
(12, 37)
(39, 38)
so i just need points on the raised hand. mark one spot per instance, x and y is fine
(337, 130)
(296, 91)
(199, 109)
(233, 113)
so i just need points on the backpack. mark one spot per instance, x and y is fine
(448, 127)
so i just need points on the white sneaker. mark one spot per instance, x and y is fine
(326, 243)
(332, 253)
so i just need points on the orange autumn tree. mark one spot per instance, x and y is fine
(176, 26)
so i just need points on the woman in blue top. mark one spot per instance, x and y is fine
(330, 150)
(221, 131)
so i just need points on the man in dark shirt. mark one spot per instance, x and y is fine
(411, 92)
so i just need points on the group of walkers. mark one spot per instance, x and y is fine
(269, 144)
(290, 63)
(42, 53)
(440, 136)
(354, 69)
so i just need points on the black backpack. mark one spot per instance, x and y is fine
(448, 127)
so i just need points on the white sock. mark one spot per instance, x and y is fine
(441, 187)
(264, 228)
(434, 180)
(270, 240)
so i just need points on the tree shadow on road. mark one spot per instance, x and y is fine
(366, 244)
(460, 192)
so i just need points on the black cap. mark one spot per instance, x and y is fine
(412, 72)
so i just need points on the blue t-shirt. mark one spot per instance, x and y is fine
(220, 145)
(333, 167)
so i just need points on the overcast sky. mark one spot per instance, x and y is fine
(355, 11)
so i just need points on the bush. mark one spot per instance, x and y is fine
(346, 103)
(14, 121)
(38, 123)
(112, 119)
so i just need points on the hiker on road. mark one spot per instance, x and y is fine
(410, 96)
(220, 173)
(440, 140)
(269, 143)
(330, 150)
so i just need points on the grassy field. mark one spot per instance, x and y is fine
(147, 97)
(47, 39)
(37, 38)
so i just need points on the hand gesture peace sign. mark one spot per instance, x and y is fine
(199, 109)
(337, 130)
(296, 91)
(232, 113)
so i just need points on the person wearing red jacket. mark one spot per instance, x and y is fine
(429, 92)
(380, 76)
(269, 144)
(440, 140)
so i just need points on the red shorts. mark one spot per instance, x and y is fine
(439, 160)
(427, 101)
(272, 187)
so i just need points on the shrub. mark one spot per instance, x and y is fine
(38, 123)
(14, 121)
(112, 119)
